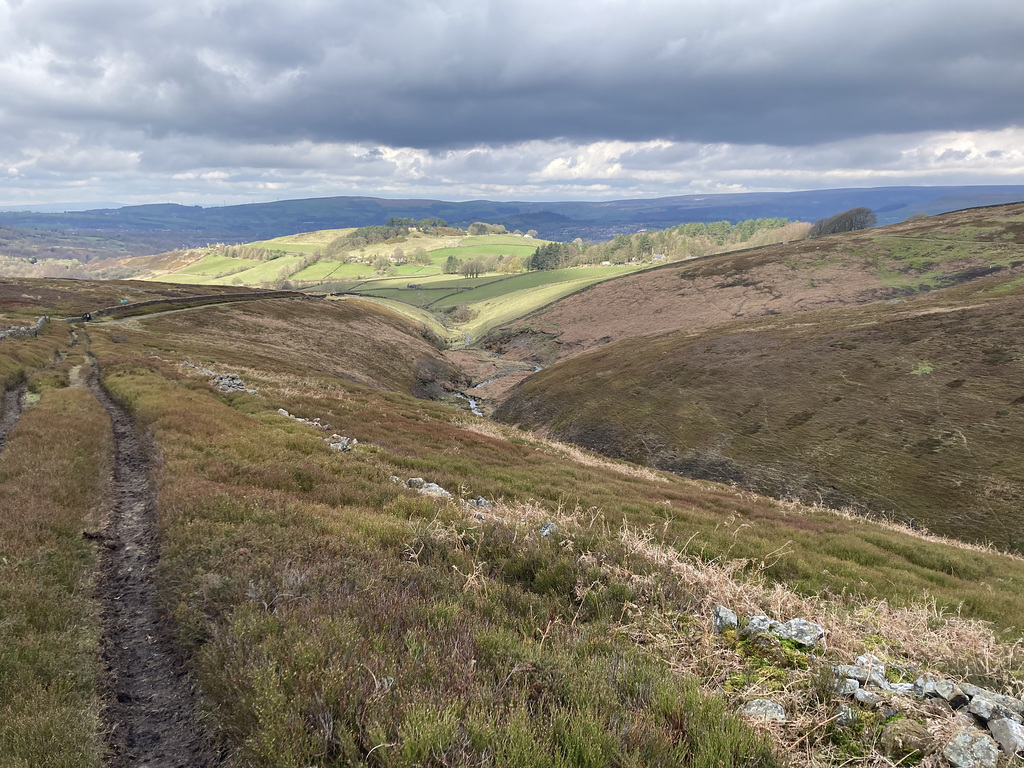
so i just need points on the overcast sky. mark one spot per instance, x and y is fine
(210, 101)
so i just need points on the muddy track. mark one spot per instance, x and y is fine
(150, 702)
(10, 411)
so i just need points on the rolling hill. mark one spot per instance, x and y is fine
(297, 599)
(879, 371)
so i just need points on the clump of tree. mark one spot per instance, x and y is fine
(847, 221)
(482, 228)
(377, 233)
(249, 252)
(551, 256)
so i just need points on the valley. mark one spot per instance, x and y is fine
(351, 571)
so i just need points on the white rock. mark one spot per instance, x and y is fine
(1009, 734)
(800, 631)
(966, 750)
(847, 687)
(765, 710)
(722, 618)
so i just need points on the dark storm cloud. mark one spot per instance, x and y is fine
(466, 72)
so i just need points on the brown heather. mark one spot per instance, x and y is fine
(332, 617)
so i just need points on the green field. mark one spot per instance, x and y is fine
(214, 265)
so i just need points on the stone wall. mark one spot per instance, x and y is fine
(25, 331)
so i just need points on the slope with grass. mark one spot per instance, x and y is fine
(914, 410)
(842, 270)
(334, 617)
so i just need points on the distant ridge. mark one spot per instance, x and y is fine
(143, 228)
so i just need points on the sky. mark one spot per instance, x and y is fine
(215, 102)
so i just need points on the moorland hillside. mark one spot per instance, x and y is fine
(321, 569)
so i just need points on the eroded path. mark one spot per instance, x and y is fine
(10, 411)
(151, 710)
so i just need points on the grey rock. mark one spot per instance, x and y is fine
(722, 618)
(433, 489)
(800, 631)
(759, 624)
(395, 479)
(901, 738)
(764, 710)
(987, 709)
(904, 689)
(548, 528)
(415, 482)
(871, 663)
(846, 715)
(847, 687)
(1008, 733)
(924, 686)
(855, 673)
(867, 698)
(967, 750)
(950, 692)
(344, 444)
(283, 412)
(1012, 704)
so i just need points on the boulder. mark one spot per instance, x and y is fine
(548, 528)
(987, 709)
(762, 709)
(800, 631)
(1009, 734)
(847, 687)
(433, 489)
(845, 715)
(867, 698)
(415, 482)
(968, 750)
(1012, 704)
(722, 618)
(759, 624)
(854, 673)
(902, 738)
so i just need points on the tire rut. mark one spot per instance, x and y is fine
(150, 702)
(10, 411)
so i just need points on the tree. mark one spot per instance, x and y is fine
(451, 266)
(471, 268)
(847, 221)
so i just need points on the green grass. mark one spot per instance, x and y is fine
(50, 484)
(332, 270)
(214, 265)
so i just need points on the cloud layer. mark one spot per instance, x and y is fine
(222, 100)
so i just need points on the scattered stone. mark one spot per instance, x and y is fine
(800, 631)
(904, 689)
(901, 738)
(846, 715)
(765, 710)
(968, 750)
(283, 412)
(871, 663)
(1012, 704)
(847, 687)
(722, 618)
(987, 709)
(395, 479)
(415, 482)
(854, 673)
(479, 502)
(433, 489)
(228, 382)
(344, 444)
(1008, 733)
(924, 686)
(548, 528)
(867, 698)
(759, 624)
